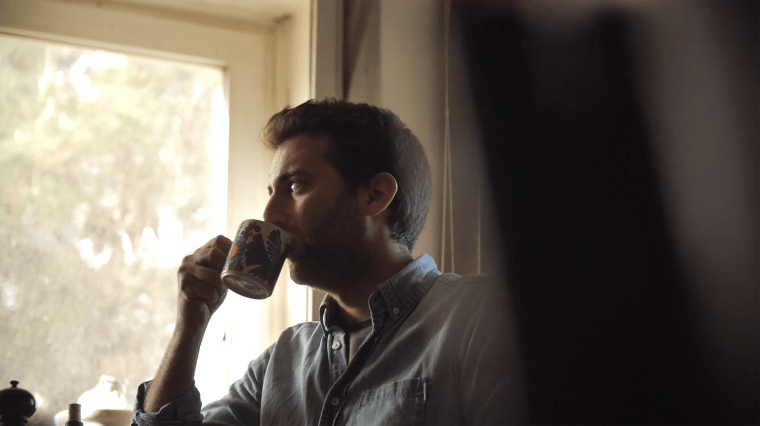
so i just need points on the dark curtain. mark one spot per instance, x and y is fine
(608, 333)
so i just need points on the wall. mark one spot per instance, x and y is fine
(397, 50)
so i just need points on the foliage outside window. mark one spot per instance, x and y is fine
(106, 180)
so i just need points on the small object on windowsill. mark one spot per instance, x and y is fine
(16, 405)
(75, 415)
(103, 405)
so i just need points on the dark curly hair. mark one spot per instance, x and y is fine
(365, 140)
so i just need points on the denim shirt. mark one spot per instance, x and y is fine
(441, 351)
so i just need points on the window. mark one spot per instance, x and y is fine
(110, 172)
(75, 205)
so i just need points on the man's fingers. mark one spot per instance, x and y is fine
(201, 290)
(212, 254)
(203, 294)
(222, 243)
(202, 282)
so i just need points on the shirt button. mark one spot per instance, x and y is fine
(336, 345)
(396, 311)
(335, 401)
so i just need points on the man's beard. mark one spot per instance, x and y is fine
(334, 257)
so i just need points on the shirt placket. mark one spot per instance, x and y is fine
(337, 358)
(336, 353)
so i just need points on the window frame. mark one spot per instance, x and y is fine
(263, 65)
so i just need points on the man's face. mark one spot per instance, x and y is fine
(310, 201)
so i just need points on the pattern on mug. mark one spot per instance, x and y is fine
(237, 250)
(264, 256)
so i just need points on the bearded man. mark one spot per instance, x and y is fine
(397, 341)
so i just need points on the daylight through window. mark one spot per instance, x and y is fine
(112, 168)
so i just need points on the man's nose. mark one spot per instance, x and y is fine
(273, 212)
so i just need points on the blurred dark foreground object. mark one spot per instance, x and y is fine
(621, 144)
(16, 405)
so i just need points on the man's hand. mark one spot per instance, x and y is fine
(201, 291)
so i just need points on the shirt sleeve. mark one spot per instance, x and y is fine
(241, 405)
(185, 410)
(490, 372)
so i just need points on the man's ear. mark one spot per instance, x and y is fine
(379, 193)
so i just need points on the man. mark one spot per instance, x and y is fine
(397, 342)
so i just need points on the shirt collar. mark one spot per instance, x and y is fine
(396, 295)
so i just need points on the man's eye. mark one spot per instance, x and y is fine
(294, 186)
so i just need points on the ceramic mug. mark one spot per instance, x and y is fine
(255, 259)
